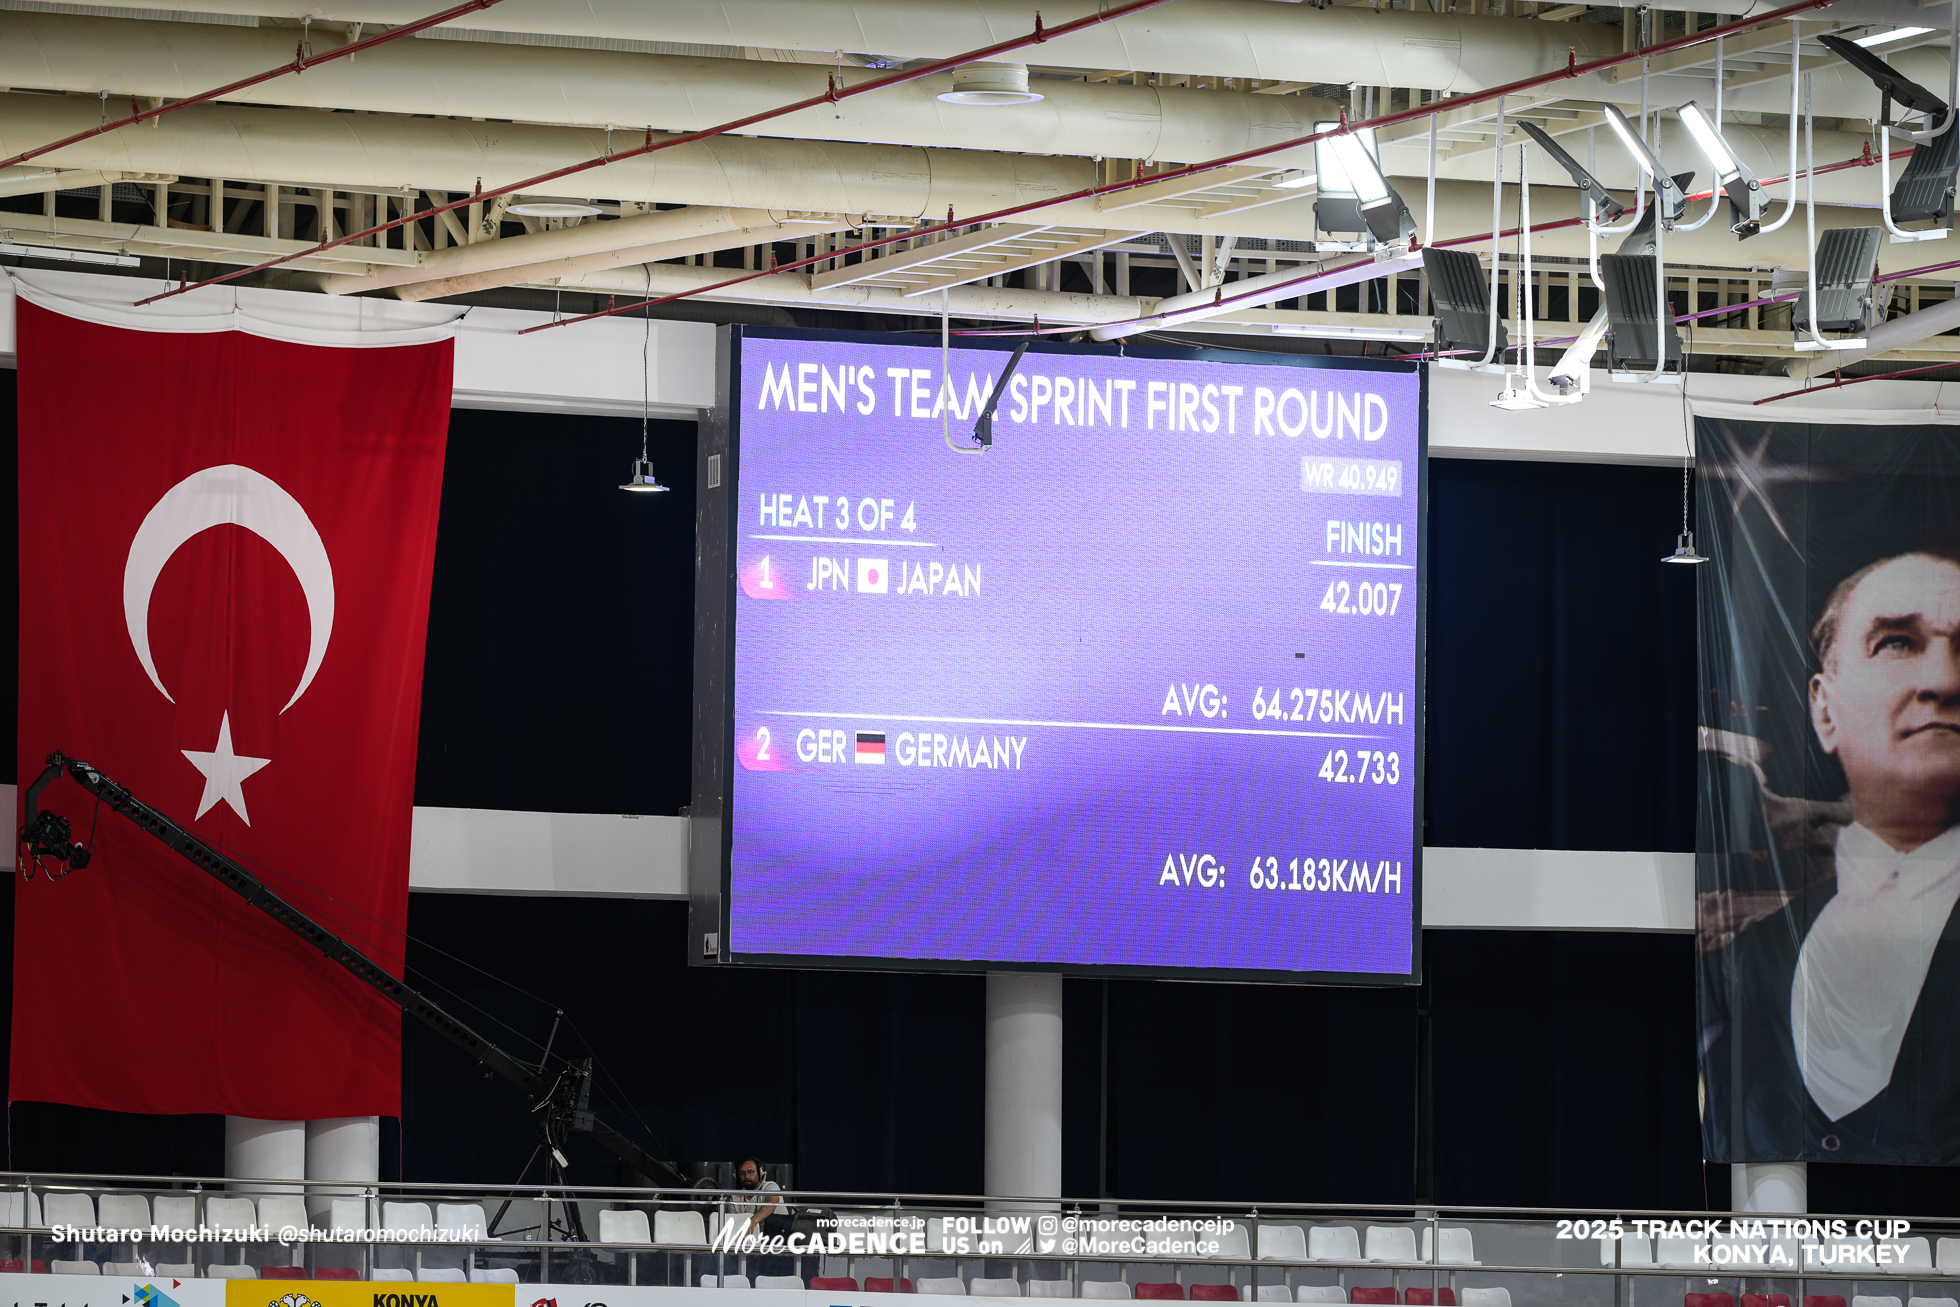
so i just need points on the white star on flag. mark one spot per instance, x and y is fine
(224, 773)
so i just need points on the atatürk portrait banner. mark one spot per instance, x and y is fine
(1827, 864)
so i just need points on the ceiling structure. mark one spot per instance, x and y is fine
(518, 88)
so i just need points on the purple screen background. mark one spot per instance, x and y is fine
(1116, 565)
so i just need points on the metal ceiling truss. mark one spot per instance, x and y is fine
(973, 256)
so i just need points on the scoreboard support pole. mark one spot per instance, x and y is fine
(1024, 1084)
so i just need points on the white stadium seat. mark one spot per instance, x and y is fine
(125, 1211)
(442, 1275)
(1677, 1252)
(1235, 1244)
(230, 1271)
(70, 1209)
(1931, 1302)
(1391, 1243)
(1115, 1289)
(1918, 1255)
(1635, 1250)
(1863, 1301)
(74, 1268)
(1050, 1289)
(10, 1210)
(284, 1212)
(980, 1288)
(500, 1275)
(391, 1273)
(1499, 1297)
(1736, 1254)
(237, 1217)
(176, 1212)
(790, 1282)
(1457, 1247)
(347, 1216)
(1275, 1293)
(937, 1284)
(1844, 1254)
(686, 1229)
(411, 1221)
(132, 1270)
(1321, 1293)
(629, 1226)
(460, 1221)
(1286, 1243)
(1333, 1243)
(178, 1270)
(1950, 1254)
(708, 1281)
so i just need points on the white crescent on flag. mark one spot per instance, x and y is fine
(229, 493)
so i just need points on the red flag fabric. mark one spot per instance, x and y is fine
(225, 550)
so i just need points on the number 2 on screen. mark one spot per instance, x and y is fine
(762, 744)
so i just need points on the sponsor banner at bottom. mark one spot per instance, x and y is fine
(365, 1293)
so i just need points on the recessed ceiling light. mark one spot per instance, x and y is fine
(553, 209)
(990, 84)
(1886, 38)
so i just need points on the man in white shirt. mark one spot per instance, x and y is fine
(763, 1206)
(1827, 1023)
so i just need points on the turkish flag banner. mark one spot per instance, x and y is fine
(225, 550)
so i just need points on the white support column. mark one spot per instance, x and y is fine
(1024, 1085)
(345, 1150)
(1779, 1187)
(265, 1150)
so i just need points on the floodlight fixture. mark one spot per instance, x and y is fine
(1636, 316)
(1892, 84)
(1461, 293)
(1747, 202)
(1605, 207)
(1354, 195)
(1886, 38)
(1845, 268)
(1668, 197)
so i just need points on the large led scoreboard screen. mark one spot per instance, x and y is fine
(1137, 689)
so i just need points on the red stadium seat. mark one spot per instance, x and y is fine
(1823, 1300)
(873, 1284)
(336, 1273)
(1380, 1294)
(1709, 1300)
(1166, 1291)
(1445, 1296)
(14, 1267)
(299, 1273)
(1765, 1300)
(834, 1283)
(1214, 1293)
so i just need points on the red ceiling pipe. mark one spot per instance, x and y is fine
(301, 62)
(831, 95)
(1572, 69)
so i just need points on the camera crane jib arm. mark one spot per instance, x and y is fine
(562, 1101)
